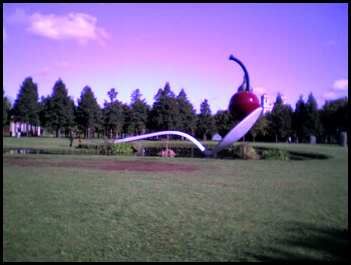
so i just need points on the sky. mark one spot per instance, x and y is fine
(294, 49)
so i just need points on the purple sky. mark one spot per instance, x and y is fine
(292, 48)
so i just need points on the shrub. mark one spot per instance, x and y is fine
(244, 151)
(87, 146)
(277, 154)
(121, 149)
(108, 148)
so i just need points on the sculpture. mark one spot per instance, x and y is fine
(243, 105)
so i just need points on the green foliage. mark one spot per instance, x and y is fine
(244, 151)
(261, 127)
(113, 115)
(88, 113)
(306, 119)
(170, 112)
(299, 120)
(275, 154)
(122, 149)
(109, 148)
(26, 107)
(334, 119)
(138, 113)
(58, 109)
(312, 120)
(223, 121)
(280, 120)
(6, 106)
(112, 94)
(187, 113)
(165, 113)
(205, 121)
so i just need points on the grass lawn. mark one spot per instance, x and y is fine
(222, 210)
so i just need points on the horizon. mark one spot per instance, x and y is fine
(294, 49)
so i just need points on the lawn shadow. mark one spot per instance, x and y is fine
(310, 242)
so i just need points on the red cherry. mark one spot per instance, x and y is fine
(243, 103)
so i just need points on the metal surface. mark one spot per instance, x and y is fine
(239, 130)
(231, 137)
(148, 135)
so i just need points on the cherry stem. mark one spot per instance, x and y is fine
(231, 57)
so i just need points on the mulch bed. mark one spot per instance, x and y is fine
(109, 165)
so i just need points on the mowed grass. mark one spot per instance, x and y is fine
(226, 210)
(44, 142)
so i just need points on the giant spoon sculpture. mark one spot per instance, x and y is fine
(243, 105)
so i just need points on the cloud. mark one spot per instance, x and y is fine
(73, 26)
(329, 95)
(340, 85)
(338, 89)
(79, 26)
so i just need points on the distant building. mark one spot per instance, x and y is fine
(216, 137)
(21, 129)
(266, 103)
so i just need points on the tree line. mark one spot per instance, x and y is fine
(60, 115)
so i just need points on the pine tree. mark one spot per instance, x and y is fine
(312, 119)
(299, 118)
(60, 109)
(113, 114)
(187, 113)
(281, 119)
(88, 113)
(139, 111)
(6, 106)
(205, 121)
(26, 107)
(165, 113)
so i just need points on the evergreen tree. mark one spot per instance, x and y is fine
(138, 116)
(299, 118)
(59, 109)
(26, 107)
(88, 113)
(334, 119)
(127, 112)
(112, 94)
(281, 119)
(223, 121)
(312, 120)
(165, 113)
(44, 111)
(205, 121)
(187, 113)
(113, 115)
(6, 106)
